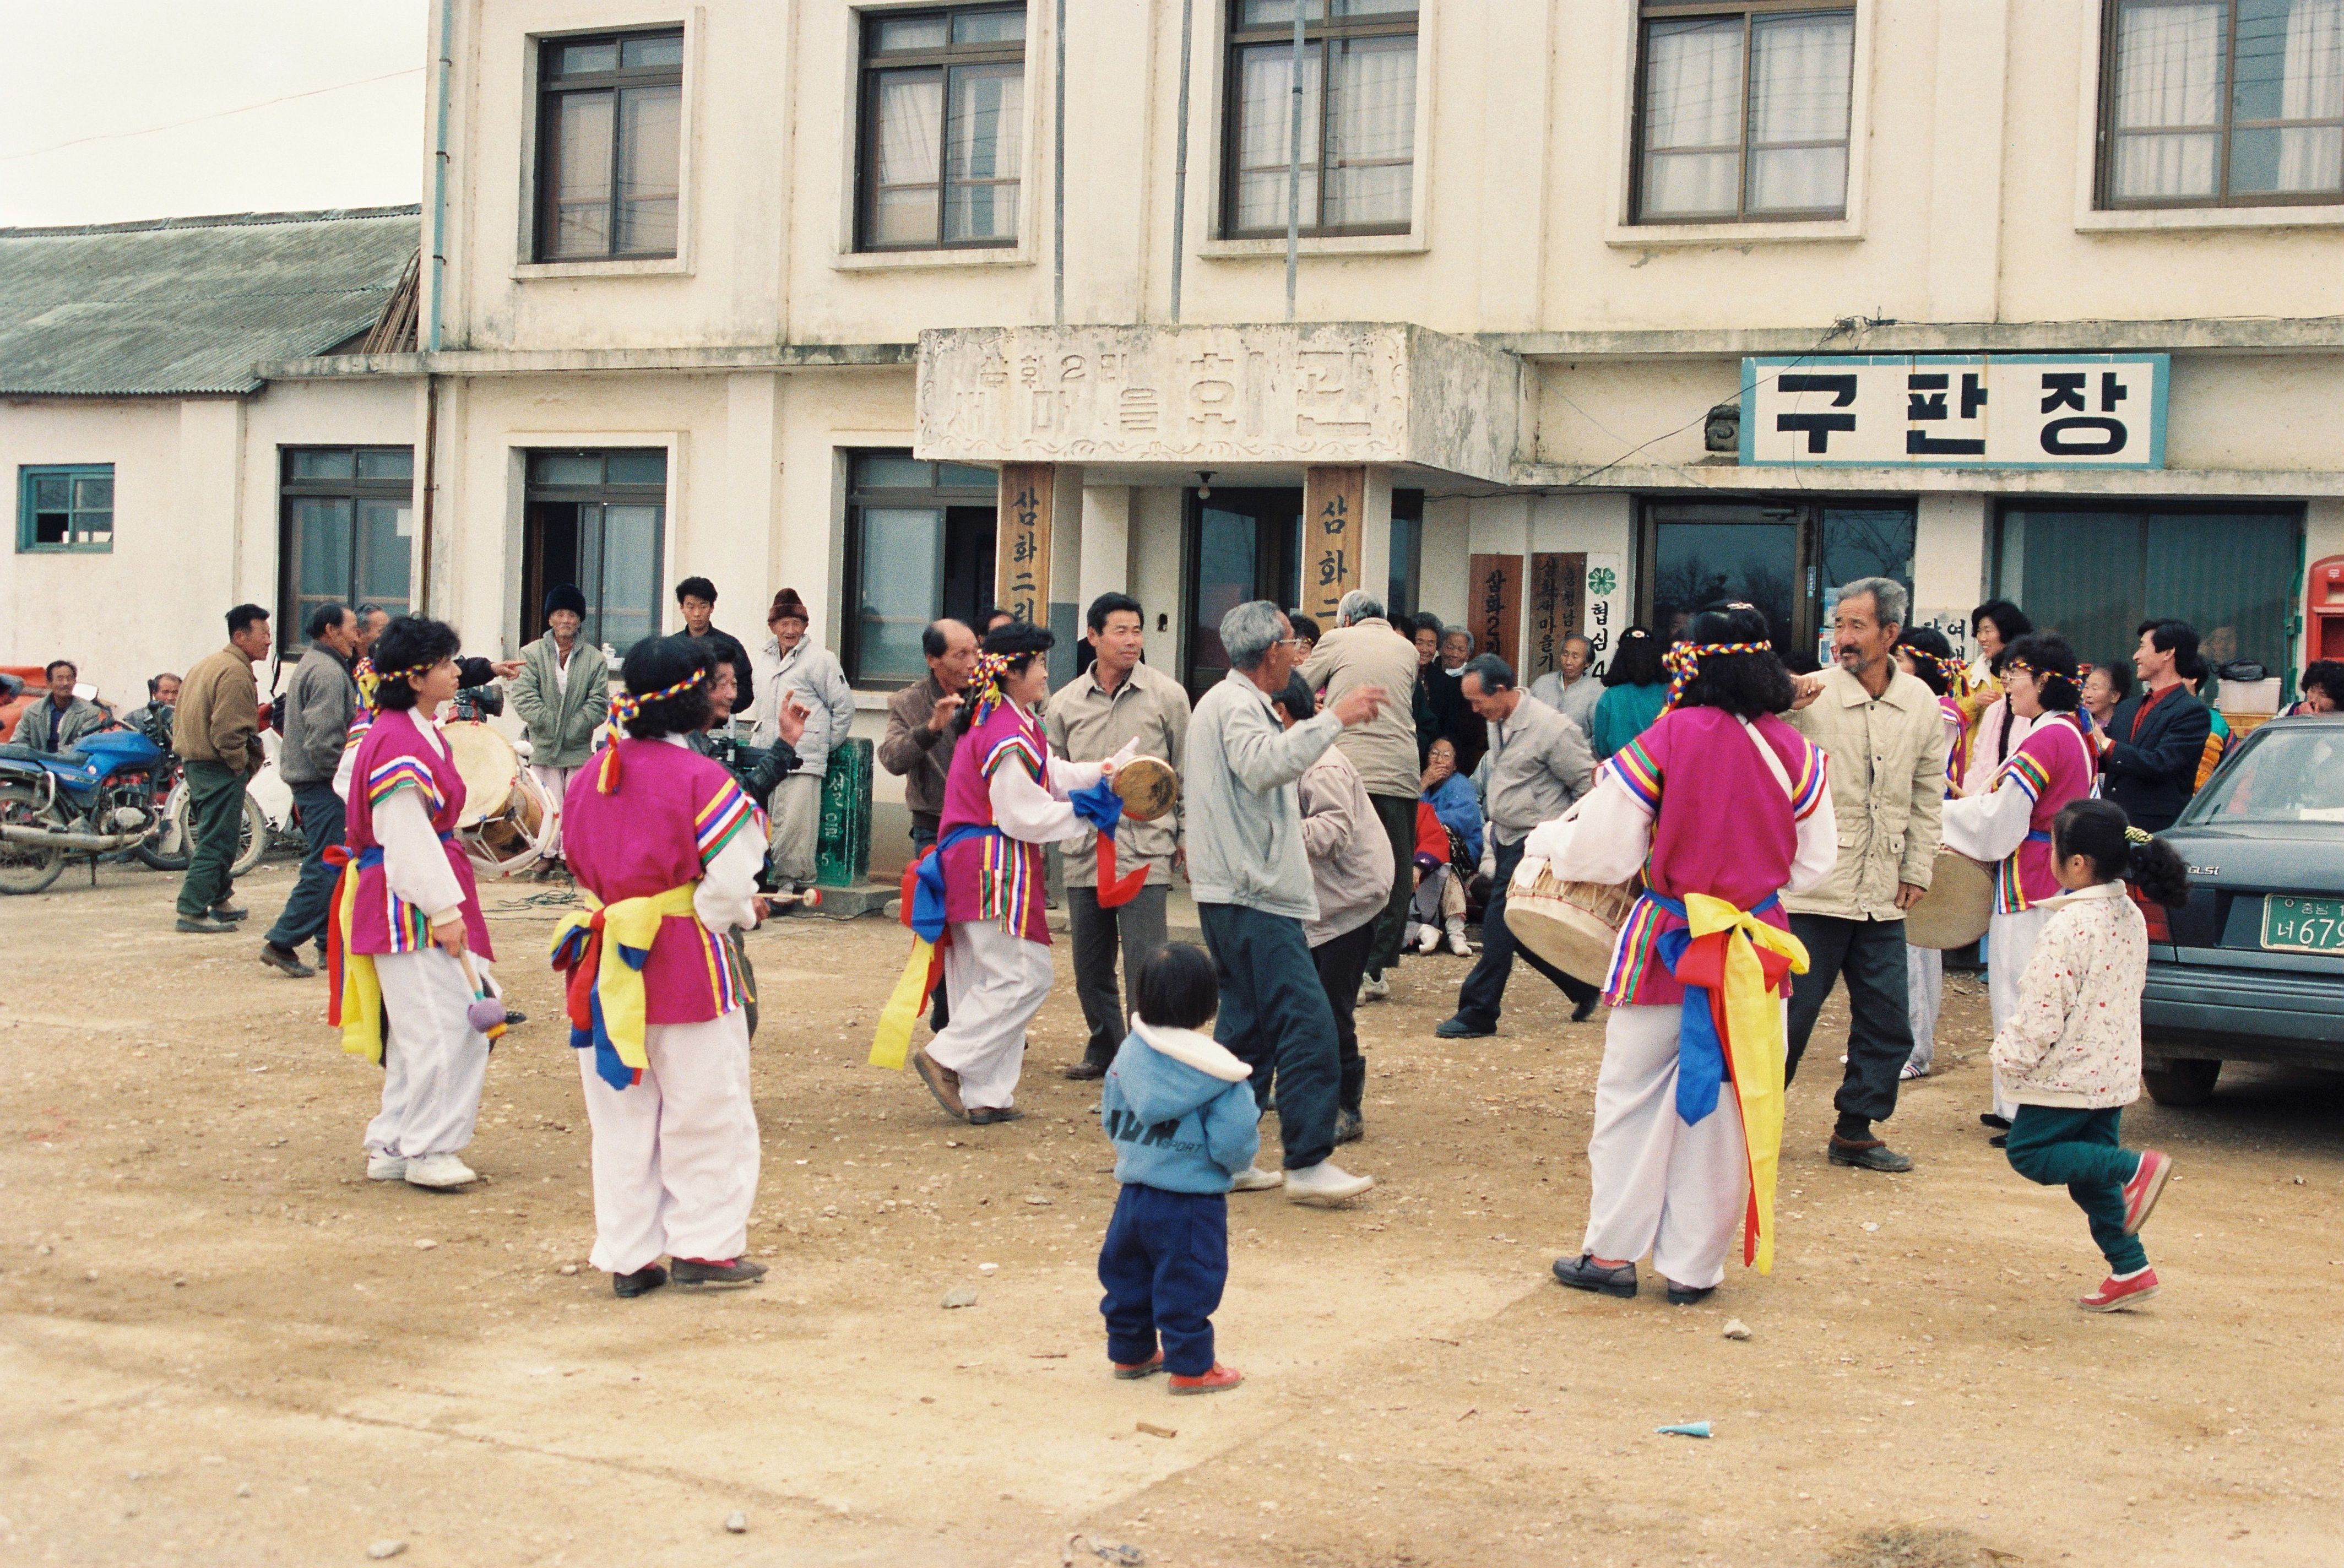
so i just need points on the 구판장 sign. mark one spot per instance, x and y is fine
(1954, 410)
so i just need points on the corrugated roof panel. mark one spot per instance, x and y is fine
(190, 305)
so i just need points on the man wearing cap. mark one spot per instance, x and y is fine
(561, 693)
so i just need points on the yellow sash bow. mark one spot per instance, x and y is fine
(1754, 1048)
(359, 991)
(631, 922)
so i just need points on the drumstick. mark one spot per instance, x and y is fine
(479, 1014)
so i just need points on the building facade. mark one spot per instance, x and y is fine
(1571, 314)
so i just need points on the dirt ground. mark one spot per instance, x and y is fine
(220, 1344)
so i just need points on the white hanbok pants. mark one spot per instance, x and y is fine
(1660, 1186)
(676, 1155)
(2009, 944)
(555, 783)
(793, 826)
(1925, 998)
(994, 984)
(433, 1060)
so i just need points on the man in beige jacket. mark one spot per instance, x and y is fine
(1364, 651)
(215, 730)
(1886, 742)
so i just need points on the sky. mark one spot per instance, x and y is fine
(178, 109)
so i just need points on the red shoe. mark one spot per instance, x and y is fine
(1211, 1382)
(2140, 1194)
(2114, 1295)
(1131, 1371)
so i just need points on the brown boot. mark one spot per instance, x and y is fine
(942, 1081)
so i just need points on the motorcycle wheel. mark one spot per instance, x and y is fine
(25, 867)
(169, 847)
(165, 848)
(252, 838)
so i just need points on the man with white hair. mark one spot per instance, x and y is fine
(1254, 890)
(1365, 651)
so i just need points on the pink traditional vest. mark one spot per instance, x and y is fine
(395, 755)
(989, 876)
(672, 814)
(1722, 824)
(2052, 766)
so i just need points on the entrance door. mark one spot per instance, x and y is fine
(1789, 562)
(1243, 544)
(596, 519)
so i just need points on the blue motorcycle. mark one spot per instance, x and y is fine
(101, 797)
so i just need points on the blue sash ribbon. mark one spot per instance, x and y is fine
(927, 920)
(1701, 1055)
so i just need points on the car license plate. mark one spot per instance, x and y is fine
(2304, 924)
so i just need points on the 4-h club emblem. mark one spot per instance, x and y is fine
(1601, 581)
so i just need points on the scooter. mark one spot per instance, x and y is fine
(97, 798)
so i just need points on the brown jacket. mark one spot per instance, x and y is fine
(914, 752)
(219, 716)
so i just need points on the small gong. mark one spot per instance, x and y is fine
(1149, 787)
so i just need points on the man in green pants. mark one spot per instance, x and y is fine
(217, 733)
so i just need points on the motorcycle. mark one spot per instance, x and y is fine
(100, 797)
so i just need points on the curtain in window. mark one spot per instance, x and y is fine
(650, 146)
(2311, 157)
(619, 572)
(1265, 126)
(581, 201)
(903, 588)
(911, 122)
(983, 145)
(1692, 119)
(1800, 75)
(2232, 577)
(1372, 131)
(2169, 75)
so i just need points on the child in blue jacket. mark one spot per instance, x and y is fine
(1182, 1120)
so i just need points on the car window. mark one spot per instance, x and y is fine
(2288, 774)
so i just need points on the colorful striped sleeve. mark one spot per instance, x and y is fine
(1637, 772)
(403, 771)
(726, 814)
(1809, 788)
(1022, 749)
(2026, 769)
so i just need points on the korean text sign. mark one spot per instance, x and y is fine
(1954, 410)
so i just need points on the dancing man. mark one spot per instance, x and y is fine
(1719, 805)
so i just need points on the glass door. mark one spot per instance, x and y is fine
(1788, 561)
(1243, 544)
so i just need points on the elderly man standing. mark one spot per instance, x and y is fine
(1540, 762)
(318, 707)
(1885, 738)
(1118, 701)
(1365, 651)
(563, 694)
(918, 746)
(791, 664)
(217, 733)
(59, 720)
(1254, 891)
(1569, 690)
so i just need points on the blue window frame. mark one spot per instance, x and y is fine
(64, 507)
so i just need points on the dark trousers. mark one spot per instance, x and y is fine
(1484, 991)
(1870, 954)
(215, 818)
(1397, 813)
(1340, 962)
(1275, 1019)
(2054, 1145)
(1138, 929)
(1164, 1262)
(312, 898)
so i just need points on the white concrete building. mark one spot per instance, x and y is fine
(911, 308)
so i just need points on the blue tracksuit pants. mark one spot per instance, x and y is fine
(1164, 1262)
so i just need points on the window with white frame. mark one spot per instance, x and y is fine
(1359, 117)
(609, 146)
(1742, 112)
(943, 104)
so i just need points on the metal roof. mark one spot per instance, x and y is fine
(190, 304)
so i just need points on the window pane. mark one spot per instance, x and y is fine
(984, 145)
(49, 527)
(94, 492)
(2297, 160)
(964, 476)
(1372, 131)
(1265, 131)
(1800, 72)
(2291, 60)
(579, 59)
(581, 196)
(565, 468)
(902, 553)
(331, 462)
(650, 121)
(656, 50)
(387, 462)
(53, 491)
(638, 467)
(1693, 100)
(912, 32)
(2231, 576)
(1262, 13)
(910, 111)
(618, 549)
(2169, 70)
(1699, 563)
(385, 527)
(323, 527)
(989, 27)
(2081, 574)
(1862, 542)
(888, 472)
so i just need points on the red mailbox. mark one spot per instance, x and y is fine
(2323, 610)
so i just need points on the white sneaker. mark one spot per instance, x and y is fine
(1457, 943)
(1375, 988)
(439, 1170)
(1254, 1179)
(386, 1167)
(1325, 1185)
(1429, 938)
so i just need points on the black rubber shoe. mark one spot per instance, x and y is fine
(1585, 1010)
(986, 1115)
(1999, 1123)
(1458, 1030)
(1866, 1154)
(205, 925)
(1348, 1126)
(285, 960)
(642, 1282)
(728, 1274)
(1085, 1071)
(1689, 1295)
(1581, 1273)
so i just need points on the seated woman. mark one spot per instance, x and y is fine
(1451, 837)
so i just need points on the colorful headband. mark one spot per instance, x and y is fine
(992, 670)
(2042, 677)
(1683, 661)
(625, 708)
(2137, 836)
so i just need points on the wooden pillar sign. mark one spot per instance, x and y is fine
(1493, 601)
(1022, 553)
(1558, 584)
(1334, 533)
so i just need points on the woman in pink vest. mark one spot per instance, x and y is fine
(666, 848)
(1723, 806)
(407, 919)
(1004, 798)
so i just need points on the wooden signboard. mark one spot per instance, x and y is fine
(1558, 594)
(1493, 606)
(1333, 530)
(1021, 555)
